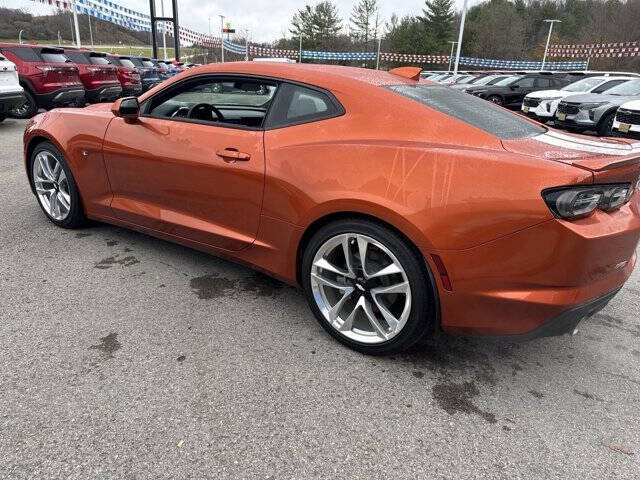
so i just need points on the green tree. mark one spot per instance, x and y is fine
(365, 21)
(326, 20)
(438, 16)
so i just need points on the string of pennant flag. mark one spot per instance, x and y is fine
(596, 50)
(112, 12)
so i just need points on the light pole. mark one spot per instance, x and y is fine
(451, 54)
(20, 36)
(464, 17)
(300, 50)
(222, 36)
(75, 22)
(550, 22)
(246, 44)
(164, 29)
(90, 32)
(378, 55)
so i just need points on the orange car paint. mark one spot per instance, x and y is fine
(453, 190)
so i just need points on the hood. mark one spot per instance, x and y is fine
(598, 98)
(633, 105)
(578, 150)
(99, 107)
(546, 94)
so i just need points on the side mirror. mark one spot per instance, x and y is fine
(514, 87)
(127, 108)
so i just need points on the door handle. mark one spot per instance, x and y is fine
(232, 155)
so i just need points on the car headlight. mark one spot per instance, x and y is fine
(582, 201)
(591, 106)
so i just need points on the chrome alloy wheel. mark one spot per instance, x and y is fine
(361, 288)
(51, 185)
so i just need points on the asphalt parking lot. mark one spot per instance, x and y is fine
(124, 356)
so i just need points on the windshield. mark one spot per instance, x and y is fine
(486, 80)
(136, 62)
(630, 88)
(583, 85)
(472, 110)
(77, 57)
(507, 80)
(465, 79)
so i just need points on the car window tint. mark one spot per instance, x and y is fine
(77, 57)
(125, 62)
(98, 60)
(526, 82)
(241, 102)
(543, 82)
(137, 62)
(472, 110)
(51, 57)
(607, 85)
(307, 102)
(148, 63)
(25, 53)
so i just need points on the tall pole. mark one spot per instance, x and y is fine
(300, 50)
(453, 44)
(73, 37)
(378, 55)
(59, 40)
(164, 30)
(462, 20)
(246, 44)
(222, 36)
(176, 30)
(551, 22)
(90, 32)
(75, 23)
(20, 36)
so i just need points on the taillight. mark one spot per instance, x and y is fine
(94, 70)
(45, 69)
(582, 201)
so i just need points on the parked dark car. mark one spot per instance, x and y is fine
(164, 70)
(128, 75)
(149, 74)
(48, 77)
(511, 93)
(99, 77)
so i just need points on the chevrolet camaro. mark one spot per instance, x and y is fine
(401, 207)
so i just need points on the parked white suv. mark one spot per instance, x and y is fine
(11, 93)
(627, 120)
(542, 105)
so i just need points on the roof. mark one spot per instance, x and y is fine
(314, 74)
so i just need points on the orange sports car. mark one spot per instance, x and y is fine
(402, 208)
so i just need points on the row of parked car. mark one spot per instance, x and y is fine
(607, 103)
(37, 76)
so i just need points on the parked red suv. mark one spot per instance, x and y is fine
(48, 77)
(99, 77)
(127, 74)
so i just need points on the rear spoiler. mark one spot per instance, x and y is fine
(412, 73)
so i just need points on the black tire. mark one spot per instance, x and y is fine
(26, 110)
(2, 117)
(76, 217)
(605, 127)
(495, 99)
(423, 317)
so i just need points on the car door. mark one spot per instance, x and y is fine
(181, 170)
(519, 90)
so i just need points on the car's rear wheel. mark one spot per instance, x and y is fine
(55, 187)
(367, 287)
(27, 109)
(495, 99)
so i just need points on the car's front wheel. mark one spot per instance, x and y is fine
(367, 287)
(495, 99)
(55, 187)
(605, 128)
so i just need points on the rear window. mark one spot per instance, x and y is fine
(136, 62)
(53, 57)
(472, 110)
(125, 62)
(77, 57)
(24, 53)
(98, 60)
(148, 63)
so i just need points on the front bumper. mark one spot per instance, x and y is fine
(63, 96)
(9, 100)
(544, 111)
(519, 283)
(633, 130)
(107, 93)
(579, 121)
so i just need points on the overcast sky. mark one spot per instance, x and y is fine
(266, 19)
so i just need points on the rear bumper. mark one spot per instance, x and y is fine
(541, 280)
(64, 96)
(107, 93)
(9, 100)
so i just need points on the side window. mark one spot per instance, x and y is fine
(542, 82)
(297, 104)
(24, 53)
(229, 102)
(526, 82)
(607, 85)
